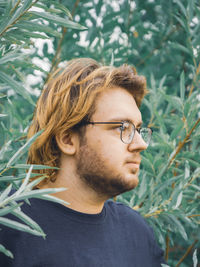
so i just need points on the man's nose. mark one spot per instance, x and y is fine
(138, 142)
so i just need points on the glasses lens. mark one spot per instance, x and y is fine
(146, 134)
(127, 133)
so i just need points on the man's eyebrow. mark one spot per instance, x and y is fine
(120, 119)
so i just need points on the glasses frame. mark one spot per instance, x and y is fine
(121, 128)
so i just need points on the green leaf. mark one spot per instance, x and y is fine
(16, 86)
(162, 81)
(153, 82)
(181, 21)
(176, 130)
(182, 8)
(19, 226)
(25, 182)
(143, 187)
(60, 21)
(5, 193)
(175, 101)
(23, 149)
(6, 251)
(174, 197)
(178, 226)
(35, 167)
(9, 209)
(187, 107)
(160, 121)
(36, 193)
(10, 20)
(165, 185)
(3, 2)
(52, 198)
(13, 178)
(194, 258)
(182, 86)
(9, 57)
(63, 8)
(181, 47)
(4, 149)
(147, 164)
(179, 200)
(191, 9)
(27, 220)
(35, 182)
(33, 26)
(30, 34)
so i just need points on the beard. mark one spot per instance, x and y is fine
(97, 174)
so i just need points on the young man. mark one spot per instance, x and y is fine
(92, 131)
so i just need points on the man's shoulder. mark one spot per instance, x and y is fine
(125, 212)
(122, 209)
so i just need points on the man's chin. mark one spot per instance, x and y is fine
(132, 180)
(126, 186)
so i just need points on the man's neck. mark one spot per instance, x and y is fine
(79, 196)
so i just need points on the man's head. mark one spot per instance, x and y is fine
(85, 91)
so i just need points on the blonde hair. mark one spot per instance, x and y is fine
(69, 98)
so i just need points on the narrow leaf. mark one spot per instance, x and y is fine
(5, 193)
(35, 182)
(9, 209)
(23, 217)
(25, 182)
(63, 8)
(182, 86)
(182, 8)
(53, 199)
(181, 47)
(6, 251)
(4, 149)
(33, 26)
(60, 21)
(179, 226)
(194, 258)
(37, 193)
(179, 200)
(19, 226)
(23, 149)
(11, 56)
(35, 167)
(16, 86)
(13, 178)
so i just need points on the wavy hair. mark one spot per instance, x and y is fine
(69, 99)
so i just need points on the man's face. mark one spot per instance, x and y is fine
(104, 162)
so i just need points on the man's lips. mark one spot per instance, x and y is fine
(133, 164)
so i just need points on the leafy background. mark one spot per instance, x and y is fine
(160, 38)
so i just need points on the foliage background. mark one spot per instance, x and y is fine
(160, 38)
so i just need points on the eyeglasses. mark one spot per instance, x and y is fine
(127, 131)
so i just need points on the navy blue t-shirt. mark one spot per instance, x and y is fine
(116, 237)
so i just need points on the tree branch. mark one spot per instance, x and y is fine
(9, 26)
(56, 58)
(194, 79)
(186, 253)
(181, 144)
(167, 247)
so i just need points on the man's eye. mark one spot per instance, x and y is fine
(125, 126)
(117, 128)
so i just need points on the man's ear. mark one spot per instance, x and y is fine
(67, 142)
